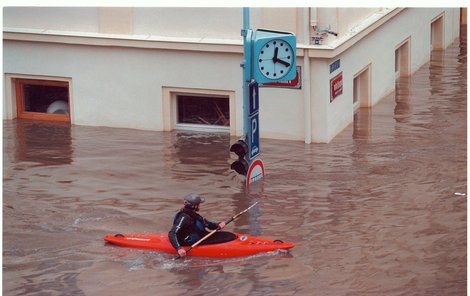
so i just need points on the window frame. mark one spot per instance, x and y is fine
(20, 111)
(194, 126)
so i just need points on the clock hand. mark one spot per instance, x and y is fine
(275, 59)
(283, 62)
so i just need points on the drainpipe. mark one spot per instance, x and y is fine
(308, 17)
(313, 17)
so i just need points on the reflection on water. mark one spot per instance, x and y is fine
(43, 143)
(381, 210)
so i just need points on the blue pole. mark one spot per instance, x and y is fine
(246, 33)
(246, 18)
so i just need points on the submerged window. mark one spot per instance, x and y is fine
(42, 99)
(211, 111)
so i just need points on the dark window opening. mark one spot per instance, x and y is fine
(203, 110)
(41, 98)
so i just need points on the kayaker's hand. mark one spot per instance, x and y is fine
(221, 225)
(182, 252)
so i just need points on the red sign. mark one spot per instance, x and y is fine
(336, 86)
(255, 172)
(294, 83)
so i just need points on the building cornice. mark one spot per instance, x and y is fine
(117, 40)
(330, 50)
(354, 35)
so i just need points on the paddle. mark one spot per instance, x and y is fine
(215, 230)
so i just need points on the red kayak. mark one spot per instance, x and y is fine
(243, 245)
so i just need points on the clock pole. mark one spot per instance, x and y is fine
(268, 56)
(247, 149)
(247, 64)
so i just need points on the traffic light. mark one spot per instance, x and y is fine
(240, 148)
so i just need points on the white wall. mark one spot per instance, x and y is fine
(281, 113)
(122, 87)
(220, 23)
(83, 19)
(377, 49)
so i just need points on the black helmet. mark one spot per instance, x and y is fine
(193, 199)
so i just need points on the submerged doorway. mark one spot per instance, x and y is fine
(437, 33)
(402, 59)
(361, 89)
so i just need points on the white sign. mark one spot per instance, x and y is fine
(255, 172)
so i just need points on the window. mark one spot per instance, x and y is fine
(203, 110)
(42, 99)
(198, 109)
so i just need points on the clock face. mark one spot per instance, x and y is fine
(275, 59)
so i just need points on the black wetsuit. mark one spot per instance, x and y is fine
(189, 227)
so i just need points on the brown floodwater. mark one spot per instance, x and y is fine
(381, 210)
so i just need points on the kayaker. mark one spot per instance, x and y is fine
(189, 227)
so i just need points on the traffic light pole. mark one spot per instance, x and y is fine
(254, 45)
(247, 73)
(247, 148)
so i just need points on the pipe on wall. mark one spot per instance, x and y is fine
(313, 17)
(306, 76)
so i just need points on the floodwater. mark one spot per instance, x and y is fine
(381, 210)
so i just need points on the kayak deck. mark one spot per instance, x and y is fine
(243, 245)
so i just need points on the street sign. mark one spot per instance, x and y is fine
(255, 172)
(253, 132)
(253, 136)
(254, 97)
(335, 65)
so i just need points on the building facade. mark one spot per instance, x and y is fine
(162, 69)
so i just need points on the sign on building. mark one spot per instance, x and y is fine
(294, 83)
(336, 86)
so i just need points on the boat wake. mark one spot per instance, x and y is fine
(139, 260)
(196, 262)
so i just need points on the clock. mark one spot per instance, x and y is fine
(275, 59)
(274, 56)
